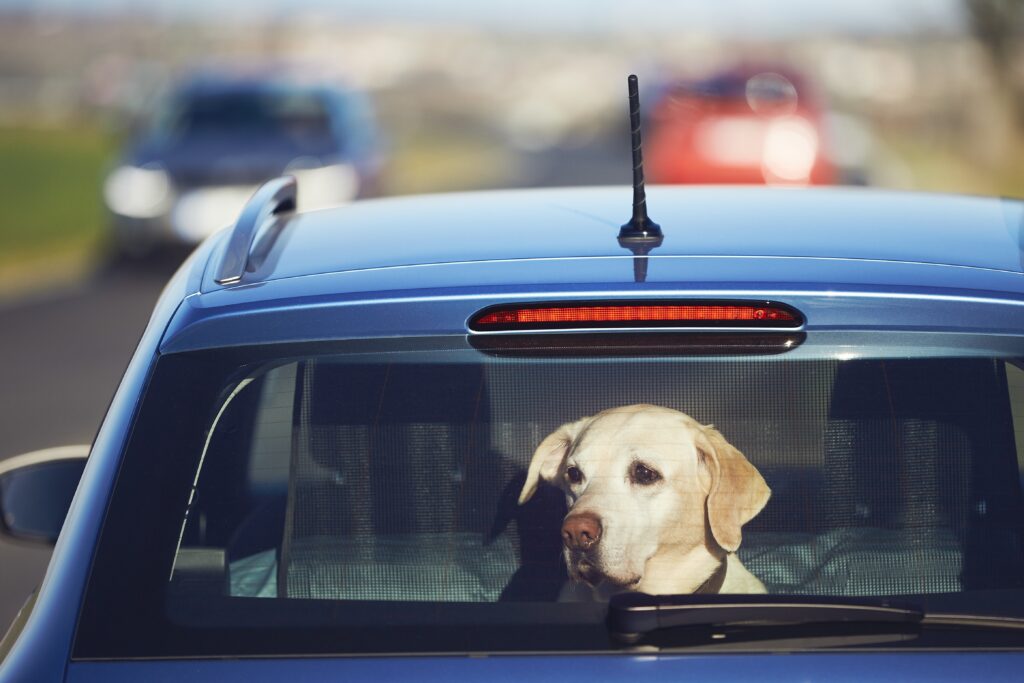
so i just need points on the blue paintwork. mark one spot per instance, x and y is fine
(806, 668)
(852, 261)
(887, 260)
(319, 319)
(697, 221)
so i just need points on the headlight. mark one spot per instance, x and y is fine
(790, 149)
(138, 192)
(203, 211)
(325, 186)
(731, 140)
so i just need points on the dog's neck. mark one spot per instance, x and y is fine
(714, 583)
(694, 572)
(673, 572)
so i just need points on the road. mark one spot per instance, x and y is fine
(64, 353)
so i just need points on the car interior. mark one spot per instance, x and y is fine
(392, 480)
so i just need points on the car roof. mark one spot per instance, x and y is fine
(847, 259)
(848, 224)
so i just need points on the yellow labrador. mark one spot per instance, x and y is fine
(656, 502)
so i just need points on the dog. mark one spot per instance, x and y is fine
(657, 502)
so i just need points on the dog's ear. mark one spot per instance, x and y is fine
(549, 456)
(737, 493)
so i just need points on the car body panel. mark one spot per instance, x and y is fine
(706, 221)
(323, 317)
(910, 264)
(832, 667)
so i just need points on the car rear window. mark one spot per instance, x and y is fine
(370, 498)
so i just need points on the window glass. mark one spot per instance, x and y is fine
(385, 489)
(293, 113)
(1015, 385)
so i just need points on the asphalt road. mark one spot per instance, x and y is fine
(63, 354)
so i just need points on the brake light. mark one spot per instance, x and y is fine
(634, 314)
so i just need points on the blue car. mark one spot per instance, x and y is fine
(497, 436)
(217, 136)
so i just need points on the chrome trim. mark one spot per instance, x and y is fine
(273, 197)
(44, 455)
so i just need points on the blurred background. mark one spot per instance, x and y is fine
(130, 131)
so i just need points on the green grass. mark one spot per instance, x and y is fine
(944, 168)
(50, 193)
(442, 161)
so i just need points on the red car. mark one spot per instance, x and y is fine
(747, 125)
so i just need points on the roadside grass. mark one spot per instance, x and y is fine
(52, 215)
(444, 161)
(938, 168)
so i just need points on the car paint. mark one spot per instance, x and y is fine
(510, 225)
(321, 279)
(770, 668)
(293, 296)
(71, 459)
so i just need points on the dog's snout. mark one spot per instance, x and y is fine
(581, 531)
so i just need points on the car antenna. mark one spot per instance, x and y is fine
(640, 235)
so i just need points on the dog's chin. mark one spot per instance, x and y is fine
(585, 571)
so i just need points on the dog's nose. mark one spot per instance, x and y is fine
(581, 531)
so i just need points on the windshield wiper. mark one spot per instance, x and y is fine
(804, 619)
(631, 615)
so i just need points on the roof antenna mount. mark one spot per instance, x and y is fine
(640, 235)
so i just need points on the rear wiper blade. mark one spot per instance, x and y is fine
(632, 615)
(980, 621)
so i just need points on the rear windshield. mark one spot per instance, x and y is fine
(432, 497)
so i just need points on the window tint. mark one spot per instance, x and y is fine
(320, 501)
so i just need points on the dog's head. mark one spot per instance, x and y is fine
(642, 480)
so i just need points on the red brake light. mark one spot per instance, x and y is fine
(605, 315)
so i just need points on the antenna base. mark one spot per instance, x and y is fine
(642, 230)
(641, 241)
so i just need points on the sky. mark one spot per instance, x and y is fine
(757, 17)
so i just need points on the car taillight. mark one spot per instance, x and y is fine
(757, 315)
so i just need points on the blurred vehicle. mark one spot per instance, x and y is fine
(312, 467)
(747, 125)
(217, 137)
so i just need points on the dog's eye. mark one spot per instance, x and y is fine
(574, 475)
(643, 475)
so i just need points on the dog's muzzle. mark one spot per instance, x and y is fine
(581, 534)
(581, 531)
